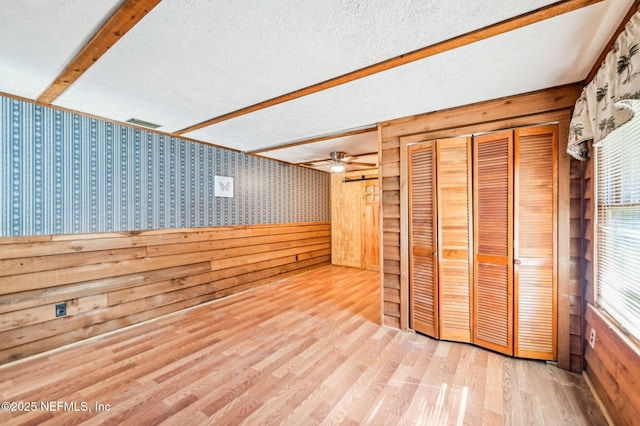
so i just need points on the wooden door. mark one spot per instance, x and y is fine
(454, 188)
(493, 237)
(371, 237)
(347, 214)
(423, 273)
(535, 240)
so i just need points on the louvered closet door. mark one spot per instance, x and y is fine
(493, 229)
(454, 233)
(535, 241)
(422, 219)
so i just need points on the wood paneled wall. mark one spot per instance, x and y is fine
(613, 367)
(588, 223)
(576, 274)
(112, 280)
(551, 105)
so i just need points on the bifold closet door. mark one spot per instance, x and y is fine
(535, 238)
(440, 238)
(493, 237)
(423, 273)
(454, 187)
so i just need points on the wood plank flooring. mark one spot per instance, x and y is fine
(303, 351)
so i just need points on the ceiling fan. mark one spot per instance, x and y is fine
(339, 162)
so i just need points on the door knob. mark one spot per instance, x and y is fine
(517, 261)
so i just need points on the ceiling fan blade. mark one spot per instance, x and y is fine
(315, 163)
(356, 163)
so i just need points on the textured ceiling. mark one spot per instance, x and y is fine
(189, 61)
(38, 38)
(212, 58)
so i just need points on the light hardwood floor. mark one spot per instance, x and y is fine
(306, 350)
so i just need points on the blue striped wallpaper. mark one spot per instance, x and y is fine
(64, 173)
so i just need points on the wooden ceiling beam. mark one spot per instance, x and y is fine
(125, 18)
(318, 139)
(535, 16)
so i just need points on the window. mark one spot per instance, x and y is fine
(618, 224)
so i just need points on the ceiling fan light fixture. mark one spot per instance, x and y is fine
(337, 163)
(337, 168)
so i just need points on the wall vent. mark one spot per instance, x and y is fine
(143, 123)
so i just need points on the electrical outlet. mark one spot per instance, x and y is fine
(592, 338)
(61, 309)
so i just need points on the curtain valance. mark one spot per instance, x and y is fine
(601, 107)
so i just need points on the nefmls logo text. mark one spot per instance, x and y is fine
(64, 406)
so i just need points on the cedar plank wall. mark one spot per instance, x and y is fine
(551, 105)
(576, 302)
(613, 364)
(112, 280)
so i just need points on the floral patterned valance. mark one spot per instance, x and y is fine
(601, 107)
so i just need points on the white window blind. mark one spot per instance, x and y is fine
(618, 224)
